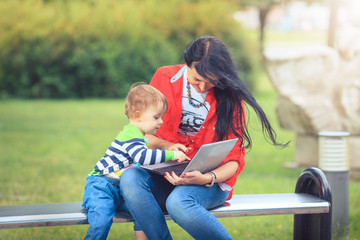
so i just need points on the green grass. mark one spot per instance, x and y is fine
(295, 38)
(47, 148)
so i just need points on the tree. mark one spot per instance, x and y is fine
(264, 7)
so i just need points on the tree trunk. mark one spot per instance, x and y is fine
(262, 17)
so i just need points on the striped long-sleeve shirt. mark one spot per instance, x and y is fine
(129, 148)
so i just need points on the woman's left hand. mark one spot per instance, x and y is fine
(193, 177)
(222, 173)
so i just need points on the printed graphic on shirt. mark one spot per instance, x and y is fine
(190, 123)
(192, 118)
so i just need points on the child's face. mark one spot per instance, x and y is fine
(150, 120)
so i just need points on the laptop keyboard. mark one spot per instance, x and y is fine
(178, 169)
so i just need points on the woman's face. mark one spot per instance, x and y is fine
(200, 84)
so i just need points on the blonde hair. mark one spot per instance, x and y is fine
(141, 96)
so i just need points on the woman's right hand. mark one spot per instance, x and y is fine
(177, 147)
(158, 143)
(180, 156)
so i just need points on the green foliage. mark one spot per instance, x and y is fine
(78, 49)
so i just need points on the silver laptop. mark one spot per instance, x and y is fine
(207, 158)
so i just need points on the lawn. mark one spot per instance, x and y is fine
(47, 147)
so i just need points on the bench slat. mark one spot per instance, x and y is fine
(57, 214)
(271, 204)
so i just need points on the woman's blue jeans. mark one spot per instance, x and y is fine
(146, 196)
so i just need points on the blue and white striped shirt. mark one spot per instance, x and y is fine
(128, 148)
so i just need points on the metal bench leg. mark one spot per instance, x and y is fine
(313, 226)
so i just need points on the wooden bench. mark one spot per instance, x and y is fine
(311, 205)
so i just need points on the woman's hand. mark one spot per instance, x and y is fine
(180, 156)
(193, 177)
(158, 143)
(222, 173)
(177, 147)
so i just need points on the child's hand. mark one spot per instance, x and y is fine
(180, 156)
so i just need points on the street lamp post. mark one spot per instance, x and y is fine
(334, 161)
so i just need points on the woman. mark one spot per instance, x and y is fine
(206, 104)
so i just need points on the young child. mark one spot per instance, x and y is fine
(145, 107)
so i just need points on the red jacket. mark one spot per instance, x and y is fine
(169, 81)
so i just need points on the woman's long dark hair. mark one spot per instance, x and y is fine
(211, 59)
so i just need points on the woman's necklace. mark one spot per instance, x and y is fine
(189, 97)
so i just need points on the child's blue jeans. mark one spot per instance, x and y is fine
(102, 199)
(103, 196)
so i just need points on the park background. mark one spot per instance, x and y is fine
(65, 67)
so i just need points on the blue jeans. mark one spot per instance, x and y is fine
(187, 206)
(104, 196)
(102, 199)
(147, 195)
